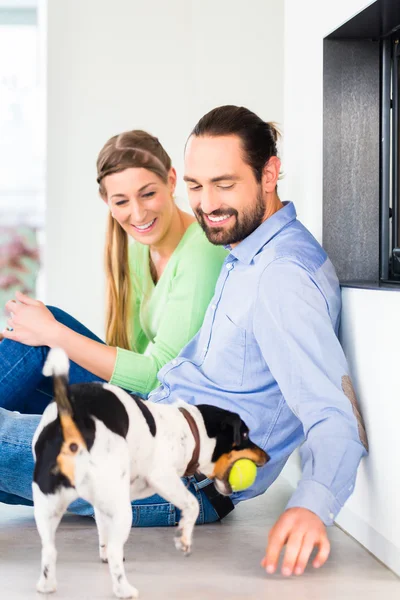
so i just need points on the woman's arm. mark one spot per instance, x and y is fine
(33, 324)
(89, 354)
(192, 289)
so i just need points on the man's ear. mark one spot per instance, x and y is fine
(233, 420)
(270, 174)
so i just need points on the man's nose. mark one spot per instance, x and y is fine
(209, 202)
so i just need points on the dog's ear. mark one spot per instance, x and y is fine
(233, 420)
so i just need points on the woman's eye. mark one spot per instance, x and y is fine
(149, 195)
(121, 202)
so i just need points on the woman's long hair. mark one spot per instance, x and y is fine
(132, 149)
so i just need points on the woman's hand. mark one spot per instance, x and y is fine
(31, 322)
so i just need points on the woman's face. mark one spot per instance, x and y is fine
(141, 203)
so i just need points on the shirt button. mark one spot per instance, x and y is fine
(174, 362)
(229, 266)
(213, 306)
(331, 515)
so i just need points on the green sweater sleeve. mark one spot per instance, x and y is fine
(190, 291)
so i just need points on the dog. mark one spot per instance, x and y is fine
(99, 443)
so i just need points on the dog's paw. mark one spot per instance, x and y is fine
(125, 591)
(46, 585)
(183, 544)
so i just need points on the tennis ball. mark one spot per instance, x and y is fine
(243, 474)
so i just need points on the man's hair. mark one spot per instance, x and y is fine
(258, 138)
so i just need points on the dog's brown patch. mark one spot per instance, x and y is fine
(73, 443)
(225, 462)
(348, 389)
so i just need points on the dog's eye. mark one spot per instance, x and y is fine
(73, 447)
(245, 435)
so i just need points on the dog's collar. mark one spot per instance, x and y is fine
(194, 462)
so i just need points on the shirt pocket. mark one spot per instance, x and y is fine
(225, 358)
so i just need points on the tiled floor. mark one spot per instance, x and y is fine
(224, 563)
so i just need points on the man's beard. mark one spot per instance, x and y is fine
(243, 225)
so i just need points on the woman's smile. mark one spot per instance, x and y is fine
(146, 227)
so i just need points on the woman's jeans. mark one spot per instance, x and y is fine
(24, 394)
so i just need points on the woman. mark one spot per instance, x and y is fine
(158, 289)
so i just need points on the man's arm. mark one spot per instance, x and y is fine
(296, 336)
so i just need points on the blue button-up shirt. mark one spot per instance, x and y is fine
(268, 350)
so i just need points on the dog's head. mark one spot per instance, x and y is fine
(232, 442)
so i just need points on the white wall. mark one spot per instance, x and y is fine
(370, 321)
(125, 64)
(370, 334)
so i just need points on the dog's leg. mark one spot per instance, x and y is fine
(48, 511)
(111, 499)
(102, 529)
(115, 521)
(171, 487)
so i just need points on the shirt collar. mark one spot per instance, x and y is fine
(250, 246)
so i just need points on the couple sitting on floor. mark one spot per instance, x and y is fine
(238, 307)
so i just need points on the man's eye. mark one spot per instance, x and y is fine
(226, 187)
(149, 195)
(195, 188)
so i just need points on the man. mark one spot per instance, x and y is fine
(268, 347)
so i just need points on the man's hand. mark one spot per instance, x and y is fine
(301, 530)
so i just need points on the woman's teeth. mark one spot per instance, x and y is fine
(218, 219)
(145, 226)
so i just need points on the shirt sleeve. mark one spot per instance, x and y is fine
(297, 338)
(191, 291)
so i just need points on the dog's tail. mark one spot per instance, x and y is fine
(57, 366)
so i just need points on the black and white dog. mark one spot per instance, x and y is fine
(101, 444)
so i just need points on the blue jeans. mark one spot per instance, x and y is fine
(23, 388)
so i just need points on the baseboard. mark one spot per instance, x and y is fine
(360, 530)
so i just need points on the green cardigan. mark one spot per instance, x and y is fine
(166, 316)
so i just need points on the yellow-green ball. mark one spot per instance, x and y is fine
(243, 474)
